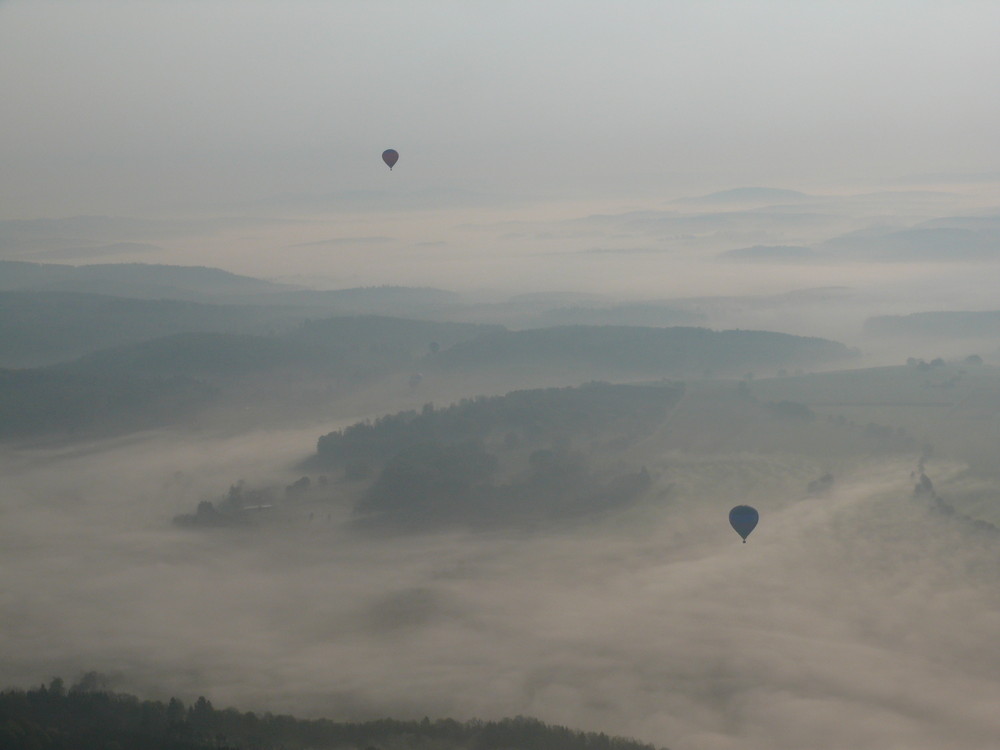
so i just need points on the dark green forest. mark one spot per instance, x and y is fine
(180, 374)
(166, 380)
(110, 348)
(538, 414)
(528, 456)
(45, 327)
(654, 352)
(535, 457)
(48, 401)
(88, 716)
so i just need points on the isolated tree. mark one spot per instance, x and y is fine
(298, 487)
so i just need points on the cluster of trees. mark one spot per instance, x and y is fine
(924, 490)
(791, 410)
(241, 502)
(88, 716)
(434, 483)
(208, 515)
(546, 413)
(512, 458)
(529, 456)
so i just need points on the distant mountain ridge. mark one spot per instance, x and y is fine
(769, 253)
(916, 244)
(148, 281)
(55, 312)
(950, 324)
(205, 284)
(976, 241)
(747, 195)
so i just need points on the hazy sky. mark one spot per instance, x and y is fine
(513, 120)
(148, 106)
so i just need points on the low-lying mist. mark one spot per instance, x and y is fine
(857, 618)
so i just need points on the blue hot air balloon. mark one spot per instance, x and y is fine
(743, 518)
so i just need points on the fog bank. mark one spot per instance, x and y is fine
(858, 619)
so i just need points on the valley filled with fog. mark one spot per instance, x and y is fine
(305, 448)
(862, 613)
(322, 502)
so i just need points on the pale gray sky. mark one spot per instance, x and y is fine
(144, 106)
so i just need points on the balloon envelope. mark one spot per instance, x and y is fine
(390, 156)
(743, 518)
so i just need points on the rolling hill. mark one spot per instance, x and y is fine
(609, 351)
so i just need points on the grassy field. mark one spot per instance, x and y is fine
(952, 412)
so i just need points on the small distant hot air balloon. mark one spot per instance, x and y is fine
(390, 156)
(743, 518)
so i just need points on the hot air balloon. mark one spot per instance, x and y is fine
(390, 156)
(743, 518)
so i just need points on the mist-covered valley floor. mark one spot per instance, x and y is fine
(861, 616)
(405, 501)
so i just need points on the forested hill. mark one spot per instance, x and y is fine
(40, 328)
(85, 717)
(50, 401)
(544, 414)
(525, 458)
(367, 346)
(137, 280)
(672, 352)
(168, 379)
(205, 284)
(950, 324)
(45, 327)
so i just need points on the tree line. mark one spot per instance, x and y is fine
(543, 413)
(89, 716)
